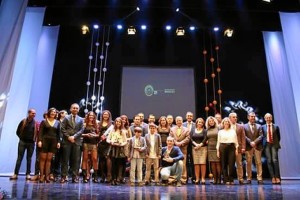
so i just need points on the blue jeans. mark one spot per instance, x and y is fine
(272, 160)
(22, 147)
(174, 170)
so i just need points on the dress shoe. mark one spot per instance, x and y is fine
(28, 177)
(140, 184)
(35, 178)
(260, 182)
(249, 182)
(13, 177)
(273, 180)
(95, 180)
(85, 180)
(63, 180)
(164, 183)
(75, 180)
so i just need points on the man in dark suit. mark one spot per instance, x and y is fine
(172, 164)
(240, 133)
(190, 125)
(254, 147)
(71, 130)
(271, 144)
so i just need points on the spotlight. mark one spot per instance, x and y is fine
(216, 29)
(85, 29)
(168, 27)
(267, 1)
(177, 10)
(228, 32)
(192, 28)
(131, 30)
(180, 31)
(96, 26)
(119, 26)
(137, 9)
(143, 27)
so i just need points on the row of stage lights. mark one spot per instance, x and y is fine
(180, 31)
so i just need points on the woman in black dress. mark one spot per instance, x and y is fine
(104, 160)
(49, 142)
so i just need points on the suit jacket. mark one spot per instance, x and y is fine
(275, 134)
(256, 136)
(157, 144)
(70, 129)
(145, 130)
(185, 124)
(241, 137)
(175, 153)
(143, 145)
(184, 137)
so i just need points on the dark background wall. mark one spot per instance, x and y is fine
(242, 60)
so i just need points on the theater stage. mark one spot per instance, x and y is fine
(22, 189)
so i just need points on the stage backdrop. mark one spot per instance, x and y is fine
(282, 53)
(156, 90)
(30, 85)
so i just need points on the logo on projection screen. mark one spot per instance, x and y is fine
(149, 91)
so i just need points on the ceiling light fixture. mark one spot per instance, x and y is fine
(267, 1)
(85, 29)
(180, 31)
(131, 30)
(119, 26)
(216, 29)
(143, 27)
(228, 32)
(192, 28)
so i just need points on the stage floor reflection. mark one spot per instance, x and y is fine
(22, 189)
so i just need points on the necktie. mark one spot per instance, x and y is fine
(270, 134)
(178, 132)
(73, 120)
(253, 128)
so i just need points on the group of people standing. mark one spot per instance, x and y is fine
(106, 148)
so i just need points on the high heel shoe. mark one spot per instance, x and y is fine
(202, 182)
(47, 180)
(113, 182)
(196, 182)
(42, 179)
(85, 180)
